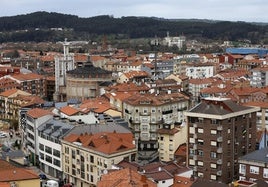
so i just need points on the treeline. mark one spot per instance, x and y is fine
(37, 27)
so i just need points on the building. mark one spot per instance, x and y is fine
(200, 71)
(259, 77)
(90, 150)
(146, 113)
(219, 132)
(84, 82)
(49, 138)
(63, 63)
(253, 166)
(125, 178)
(34, 118)
(170, 137)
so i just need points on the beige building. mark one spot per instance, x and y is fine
(146, 113)
(88, 151)
(170, 137)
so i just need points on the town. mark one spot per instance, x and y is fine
(117, 117)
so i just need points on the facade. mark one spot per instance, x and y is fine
(219, 132)
(253, 166)
(259, 77)
(34, 118)
(200, 71)
(91, 149)
(170, 137)
(147, 113)
(49, 144)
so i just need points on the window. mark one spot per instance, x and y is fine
(200, 153)
(242, 169)
(200, 163)
(213, 143)
(254, 170)
(199, 130)
(214, 166)
(200, 142)
(213, 132)
(265, 173)
(213, 177)
(213, 154)
(200, 174)
(41, 147)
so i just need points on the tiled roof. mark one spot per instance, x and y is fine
(9, 92)
(38, 112)
(168, 131)
(201, 81)
(28, 76)
(129, 87)
(68, 110)
(125, 178)
(10, 173)
(180, 181)
(29, 100)
(103, 142)
(133, 74)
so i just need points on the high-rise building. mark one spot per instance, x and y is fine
(219, 132)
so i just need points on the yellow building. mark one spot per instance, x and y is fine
(18, 176)
(169, 139)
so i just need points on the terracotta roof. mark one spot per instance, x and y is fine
(38, 112)
(28, 76)
(125, 178)
(107, 143)
(47, 58)
(168, 131)
(181, 151)
(129, 87)
(9, 173)
(29, 100)
(133, 74)
(68, 110)
(9, 92)
(201, 81)
(182, 181)
(258, 104)
(81, 58)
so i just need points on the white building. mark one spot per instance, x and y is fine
(200, 71)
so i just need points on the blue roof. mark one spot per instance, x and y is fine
(245, 51)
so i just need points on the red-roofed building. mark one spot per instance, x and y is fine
(99, 151)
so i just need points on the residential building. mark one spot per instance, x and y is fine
(170, 137)
(49, 138)
(146, 113)
(132, 76)
(253, 166)
(200, 71)
(259, 77)
(219, 132)
(34, 118)
(90, 150)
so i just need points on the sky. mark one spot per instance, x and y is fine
(228, 10)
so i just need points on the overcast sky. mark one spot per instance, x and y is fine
(231, 10)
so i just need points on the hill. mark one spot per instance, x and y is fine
(45, 26)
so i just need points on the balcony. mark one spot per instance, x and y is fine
(219, 173)
(219, 128)
(219, 139)
(195, 168)
(195, 157)
(219, 161)
(195, 147)
(219, 150)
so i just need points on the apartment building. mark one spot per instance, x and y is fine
(49, 138)
(200, 71)
(147, 113)
(170, 137)
(34, 118)
(259, 77)
(219, 132)
(253, 166)
(89, 150)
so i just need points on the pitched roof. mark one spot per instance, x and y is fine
(103, 142)
(10, 173)
(258, 156)
(38, 112)
(28, 76)
(125, 178)
(68, 110)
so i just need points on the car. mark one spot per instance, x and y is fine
(3, 135)
(42, 176)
